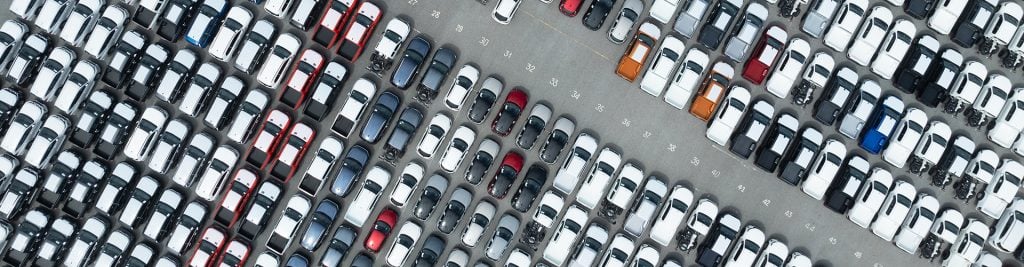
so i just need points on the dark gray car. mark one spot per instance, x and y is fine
(430, 252)
(456, 208)
(407, 125)
(351, 167)
(343, 239)
(410, 63)
(322, 219)
(436, 186)
(485, 99)
(439, 67)
(382, 112)
(528, 191)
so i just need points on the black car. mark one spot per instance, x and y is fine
(172, 24)
(533, 127)
(556, 142)
(528, 191)
(711, 252)
(837, 95)
(326, 90)
(340, 245)
(25, 241)
(145, 77)
(126, 55)
(940, 77)
(410, 63)
(63, 171)
(485, 99)
(436, 186)
(919, 9)
(10, 102)
(777, 143)
(381, 113)
(597, 13)
(751, 129)
(841, 193)
(351, 168)
(439, 67)
(430, 252)
(453, 212)
(24, 67)
(915, 64)
(718, 23)
(406, 126)
(969, 28)
(362, 260)
(799, 158)
(113, 134)
(482, 161)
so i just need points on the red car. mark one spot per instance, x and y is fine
(302, 78)
(290, 155)
(239, 190)
(267, 138)
(570, 7)
(207, 248)
(506, 175)
(359, 31)
(234, 254)
(330, 25)
(381, 229)
(765, 54)
(510, 111)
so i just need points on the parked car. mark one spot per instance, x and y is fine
(596, 184)
(457, 148)
(791, 65)
(568, 175)
(711, 91)
(860, 109)
(510, 112)
(1000, 190)
(229, 35)
(478, 223)
(689, 17)
(300, 82)
(844, 25)
(366, 198)
(354, 106)
(633, 60)
(504, 11)
(894, 210)
(556, 141)
(826, 166)
(254, 48)
(52, 73)
(722, 17)
(870, 198)
(22, 68)
(894, 49)
(968, 245)
(359, 30)
(728, 116)
(777, 142)
(907, 134)
(145, 75)
(692, 68)
(593, 239)
(206, 19)
(287, 226)
(969, 26)
(506, 175)
(263, 203)
(508, 225)
(408, 123)
(916, 63)
(484, 157)
(291, 152)
(529, 190)
(743, 37)
(566, 234)
(172, 22)
(946, 15)
(395, 33)
(751, 129)
(798, 161)
(278, 60)
(409, 66)
(336, 16)
(1010, 122)
(268, 138)
(339, 247)
(598, 12)
(351, 168)
(538, 119)
(462, 85)
(882, 124)
(672, 214)
(714, 247)
(662, 66)
(915, 227)
(404, 244)
(645, 208)
(819, 15)
(489, 91)
(387, 104)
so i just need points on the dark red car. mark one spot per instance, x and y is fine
(766, 53)
(267, 138)
(570, 7)
(381, 229)
(329, 28)
(506, 175)
(302, 78)
(239, 190)
(510, 111)
(359, 31)
(290, 155)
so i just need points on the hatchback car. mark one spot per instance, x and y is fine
(409, 65)
(404, 243)
(462, 85)
(385, 108)
(504, 11)
(352, 167)
(207, 18)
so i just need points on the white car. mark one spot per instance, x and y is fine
(457, 148)
(1009, 228)
(518, 257)
(107, 31)
(461, 86)
(395, 34)
(618, 252)
(548, 209)
(946, 14)
(52, 14)
(291, 216)
(324, 160)
(819, 69)
(908, 133)
(143, 137)
(504, 11)
(596, 184)
(872, 31)
(662, 10)
(993, 96)
(947, 226)
(694, 65)
(894, 210)
(478, 223)
(1010, 121)
(824, 169)
(248, 113)
(1001, 189)
(915, 227)
(797, 259)
(932, 145)
(739, 44)
(703, 216)
(1003, 23)
(434, 134)
(404, 242)
(647, 255)
(728, 116)
(593, 240)
(411, 177)
(647, 205)
(968, 83)
(672, 214)
(23, 127)
(747, 247)
(278, 60)
(870, 198)
(968, 245)
(373, 185)
(662, 66)
(845, 24)
(214, 175)
(625, 21)
(982, 166)
(565, 236)
(894, 48)
(229, 36)
(52, 72)
(568, 175)
(354, 106)
(625, 186)
(774, 254)
(790, 65)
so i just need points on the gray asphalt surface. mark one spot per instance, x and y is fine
(560, 63)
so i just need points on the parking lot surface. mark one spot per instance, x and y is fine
(571, 69)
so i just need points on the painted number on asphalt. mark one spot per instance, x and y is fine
(574, 94)
(599, 108)
(412, 2)
(695, 160)
(766, 202)
(716, 173)
(741, 188)
(530, 67)
(508, 54)
(484, 41)
(647, 134)
(458, 28)
(858, 254)
(626, 122)
(833, 240)
(554, 82)
(788, 213)
(810, 226)
(672, 148)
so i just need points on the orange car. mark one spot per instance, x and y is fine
(711, 92)
(633, 60)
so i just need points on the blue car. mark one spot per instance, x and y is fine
(351, 167)
(205, 23)
(882, 124)
(410, 63)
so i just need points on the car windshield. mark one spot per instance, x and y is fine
(405, 241)
(372, 187)
(976, 239)
(463, 82)
(480, 219)
(548, 211)
(751, 246)
(381, 226)
(511, 109)
(572, 226)
(232, 24)
(880, 188)
(281, 52)
(305, 67)
(507, 171)
(679, 205)
(394, 37)
(628, 184)
(459, 144)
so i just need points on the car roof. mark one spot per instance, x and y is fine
(462, 195)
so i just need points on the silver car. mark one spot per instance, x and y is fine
(740, 43)
(80, 22)
(819, 16)
(859, 110)
(508, 225)
(690, 17)
(624, 23)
